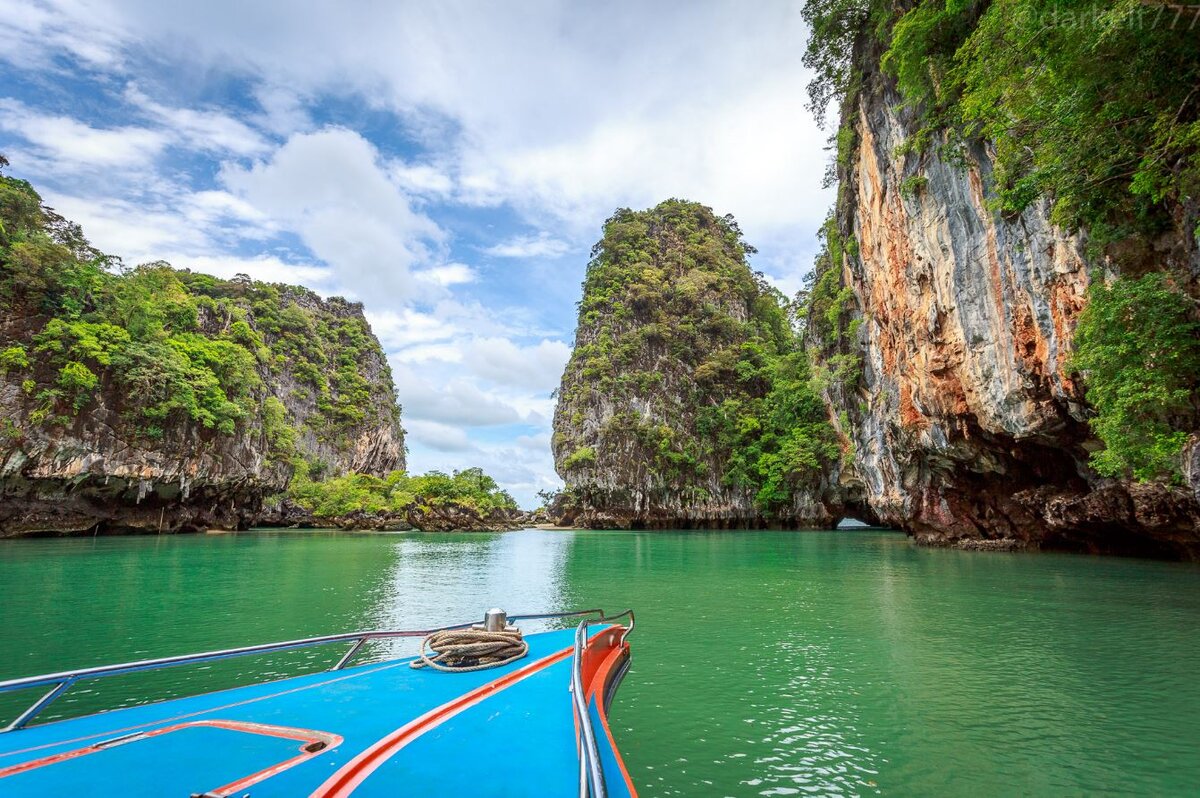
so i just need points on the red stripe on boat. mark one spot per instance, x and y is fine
(308, 736)
(365, 670)
(354, 772)
(595, 690)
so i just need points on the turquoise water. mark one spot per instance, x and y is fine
(765, 663)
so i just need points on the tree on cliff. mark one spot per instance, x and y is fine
(1138, 344)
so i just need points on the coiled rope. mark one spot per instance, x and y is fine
(465, 650)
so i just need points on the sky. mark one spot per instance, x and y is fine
(448, 164)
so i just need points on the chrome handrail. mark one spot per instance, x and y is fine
(619, 616)
(591, 772)
(64, 680)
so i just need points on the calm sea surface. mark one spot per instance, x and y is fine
(765, 663)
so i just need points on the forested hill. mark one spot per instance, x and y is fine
(157, 398)
(688, 400)
(1014, 260)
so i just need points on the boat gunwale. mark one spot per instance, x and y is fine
(62, 681)
(600, 664)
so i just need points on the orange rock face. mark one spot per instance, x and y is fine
(966, 424)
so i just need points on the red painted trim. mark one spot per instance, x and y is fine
(596, 690)
(354, 772)
(308, 736)
(600, 658)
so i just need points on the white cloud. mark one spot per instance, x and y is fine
(66, 146)
(74, 146)
(182, 228)
(537, 367)
(263, 267)
(331, 188)
(134, 232)
(526, 104)
(210, 131)
(752, 156)
(440, 437)
(456, 400)
(283, 111)
(422, 179)
(447, 275)
(34, 32)
(543, 245)
(535, 443)
(430, 353)
(791, 260)
(407, 327)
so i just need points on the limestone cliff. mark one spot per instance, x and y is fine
(162, 400)
(966, 421)
(686, 400)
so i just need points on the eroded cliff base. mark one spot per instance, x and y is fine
(1137, 520)
(599, 519)
(117, 506)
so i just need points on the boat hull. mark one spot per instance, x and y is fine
(378, 729)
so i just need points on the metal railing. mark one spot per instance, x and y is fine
(591, 771)
(60, 683)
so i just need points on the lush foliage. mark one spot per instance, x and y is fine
(675, 326)
(580, 458)
(1095, 106)
(1090, 103)
(168, 347)
(397, 492)
(827, 304)
(1138, 345)
(837, 27)
(777, 442)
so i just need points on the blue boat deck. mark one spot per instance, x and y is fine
(372, 730)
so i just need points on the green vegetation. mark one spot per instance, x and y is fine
(13, 358)
(674, 320)
(156, 352)
(828, 304)
(1138, 345)
(580, 458)
(397, 492)
(167, 347)
(912, 186)
(1092, 104)
(778, 442)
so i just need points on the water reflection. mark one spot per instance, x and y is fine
(454, 578)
